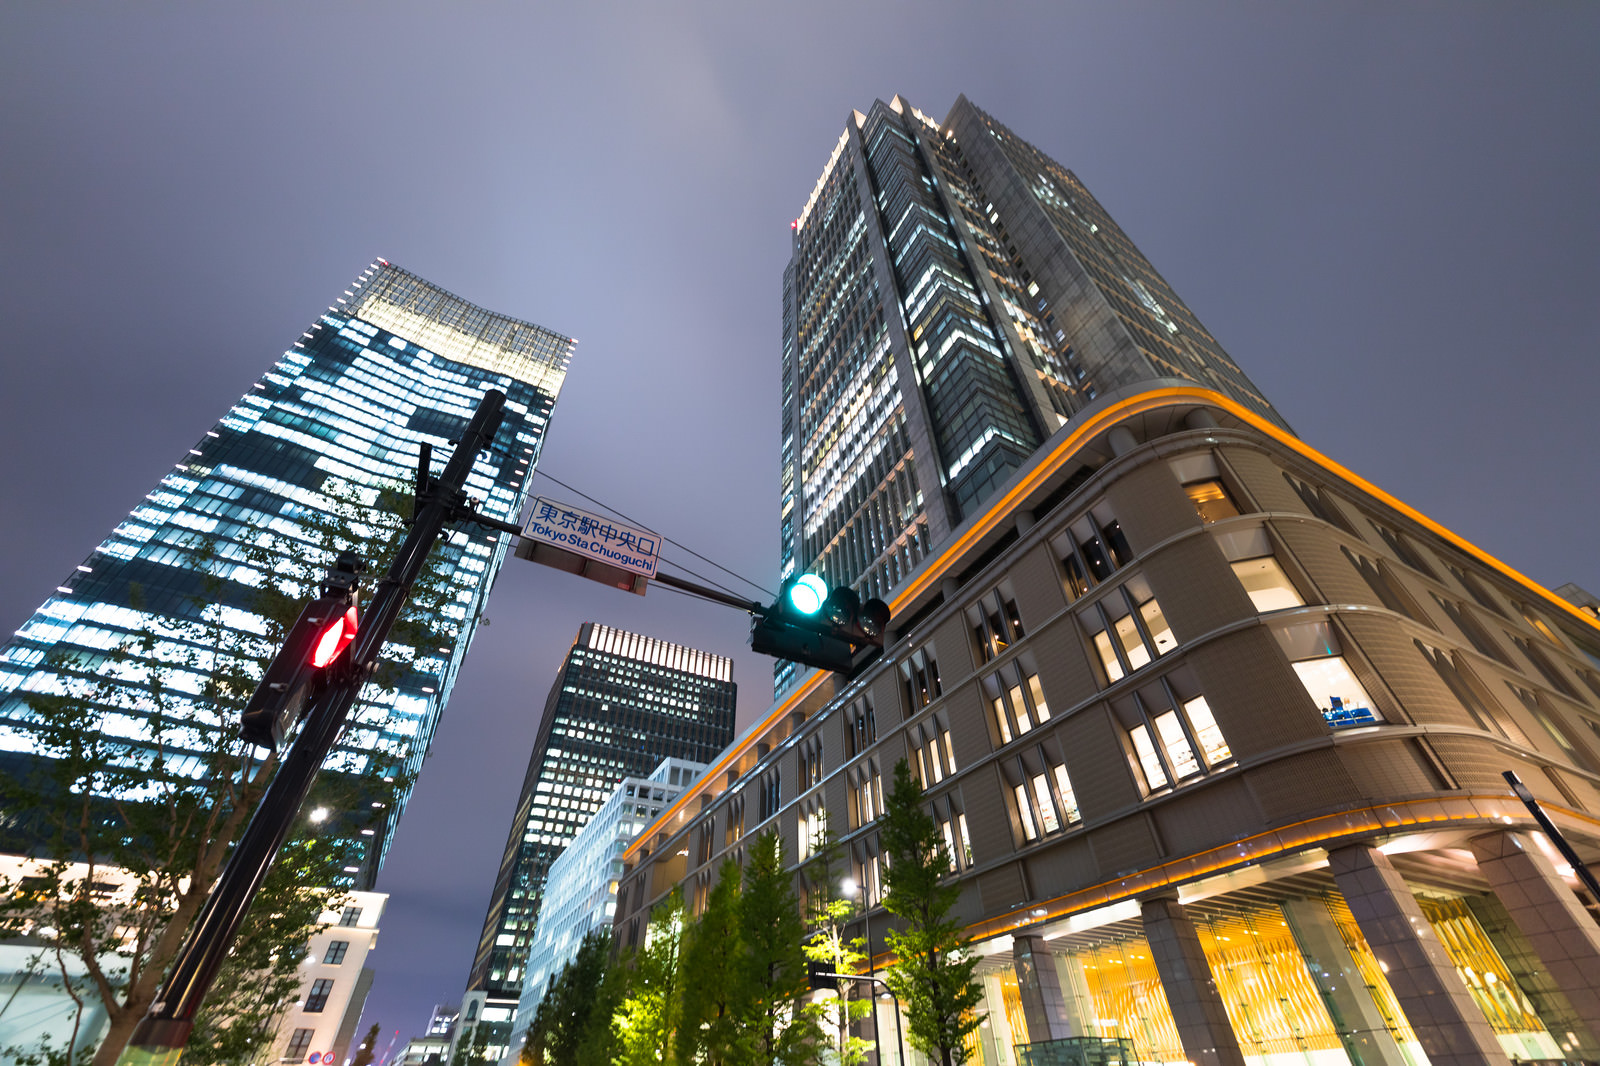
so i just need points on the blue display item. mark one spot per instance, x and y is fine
(394, 363)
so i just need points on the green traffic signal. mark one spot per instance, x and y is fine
(808, 593)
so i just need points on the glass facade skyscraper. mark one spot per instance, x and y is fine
(953, 297)
(394, 363)
(622, 703)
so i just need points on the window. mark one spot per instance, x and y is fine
(1016, 699)
(1471, 628)
(810, 761)
(350, 916)
(1092, 549)
(317, 998)
(1550, 723)
(866, 794)
(1474, 699)
(335, 953)
(1404, 550)
(1250, 553)
(932, 753)
(1475, 589)
(1319, 503)
(1315, 653)
(735, 828)
(952, 824)
(868, 872)
(811, 825)
(1042, 792)
(1202, 483)
(1171, 732)
(1128, 629)
(299, 1044)
(919, 675)
(1542, 663)
(1385, 585)
(771, 793)
(995, 623)
(861, 729)
(1211, 500)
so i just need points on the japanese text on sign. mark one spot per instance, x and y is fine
(578, 531)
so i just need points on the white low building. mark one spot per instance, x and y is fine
(320, 1026)
(581, 891)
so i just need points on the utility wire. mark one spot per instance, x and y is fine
(669, 540)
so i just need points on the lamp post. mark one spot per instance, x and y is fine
(849, 887)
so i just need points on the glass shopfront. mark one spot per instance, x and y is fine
(1300, 984)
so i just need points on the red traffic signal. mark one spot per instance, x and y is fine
(315, 642)
(334, 639)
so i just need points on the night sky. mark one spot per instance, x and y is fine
(1388, 214)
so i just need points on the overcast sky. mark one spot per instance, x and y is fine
(1387, 213)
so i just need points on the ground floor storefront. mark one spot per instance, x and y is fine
(1420, 952)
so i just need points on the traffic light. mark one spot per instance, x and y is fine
(313, 647)
(813, 626)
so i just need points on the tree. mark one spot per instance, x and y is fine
(130, 827)
(473, 1047)
(368, 1049)
(826, 915)
(566, 1013)
(775, 988)
(647, 1020)
(600, 1044)
(933, 974)
(712, 1031)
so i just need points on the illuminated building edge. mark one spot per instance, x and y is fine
(1421, 728)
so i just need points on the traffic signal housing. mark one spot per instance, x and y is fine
(314, 648)
(815, 627)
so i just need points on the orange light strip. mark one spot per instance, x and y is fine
(1506, 811)
(733, 753)
(1047, 467)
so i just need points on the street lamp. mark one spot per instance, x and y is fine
(850, 889)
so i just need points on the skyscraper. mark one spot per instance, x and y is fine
(1213, 730)
(580, 893)
(622, 703)
(952, 299)
(394, 363)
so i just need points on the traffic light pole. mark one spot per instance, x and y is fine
(162, 1033)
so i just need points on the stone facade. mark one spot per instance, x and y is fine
(1207, 719)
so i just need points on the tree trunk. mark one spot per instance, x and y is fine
(123, 1021)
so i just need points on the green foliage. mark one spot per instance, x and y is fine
(934, 974)
(647, 1020)
(827, 912)
(473, 1049)
(137, 828)
(712, 1031)
(776, 1011)
(574, 1005)
(369, 1048)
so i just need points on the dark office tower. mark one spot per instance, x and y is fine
(393, 364)
(954, 296)
(621, 704)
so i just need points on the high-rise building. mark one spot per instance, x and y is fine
(393, 364)
(580, 893)
(621, 704)
(1212, 729)
(952, 299)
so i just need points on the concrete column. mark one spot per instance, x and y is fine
(1191, 991)
(1361, 1026)
(1448, 1024)
(1547, 912)
(1039, 985)
(1122, 440)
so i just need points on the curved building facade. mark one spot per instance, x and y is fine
(1215, 731)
